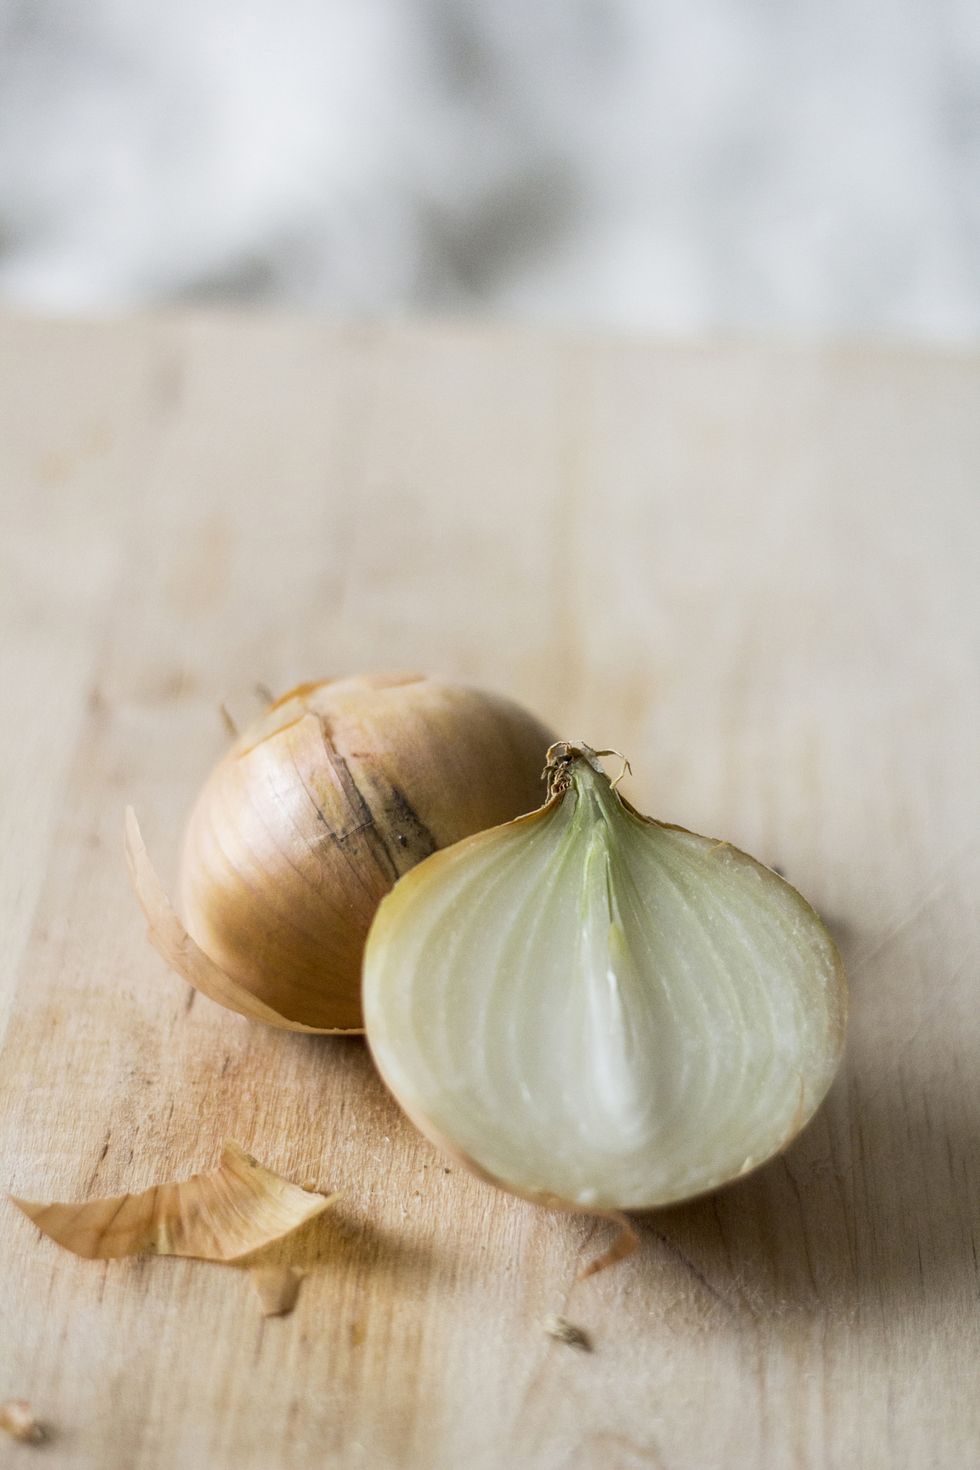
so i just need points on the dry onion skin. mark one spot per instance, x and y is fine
(301, 829)
(223, 1216)
(599, 1011)
(564, 1331)
(18, 1419)
(277, 1288)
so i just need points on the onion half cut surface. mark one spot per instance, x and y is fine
(602, 1011)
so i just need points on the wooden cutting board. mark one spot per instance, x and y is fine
(755, 571)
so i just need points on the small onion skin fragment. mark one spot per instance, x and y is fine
(601, 1012)
(18, 1419)
(277, 1288)
(337, 790)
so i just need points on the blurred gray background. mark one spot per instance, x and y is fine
(684, 166)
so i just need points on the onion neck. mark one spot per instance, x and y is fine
(571, 763)
(574, 769)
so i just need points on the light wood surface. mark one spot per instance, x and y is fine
(755, 571)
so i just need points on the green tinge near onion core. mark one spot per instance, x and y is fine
(597, 1009)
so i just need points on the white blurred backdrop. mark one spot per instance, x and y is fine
(674, 165)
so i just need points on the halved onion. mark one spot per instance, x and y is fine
(601, 1011)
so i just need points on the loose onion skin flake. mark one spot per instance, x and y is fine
(226, 1215)
(598, 1011)
(17, 1419)
(318, 808)
(277, 1288)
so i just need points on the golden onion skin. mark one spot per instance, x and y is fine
(321, 805)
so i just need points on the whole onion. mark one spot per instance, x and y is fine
(308, 821)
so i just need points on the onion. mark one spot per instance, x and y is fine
(599, 1011)
(309, 819)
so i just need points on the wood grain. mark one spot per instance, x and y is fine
(753, 569)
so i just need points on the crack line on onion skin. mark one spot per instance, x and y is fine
(358, 804)
(262, 892)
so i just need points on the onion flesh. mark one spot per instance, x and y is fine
(595, 1009)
